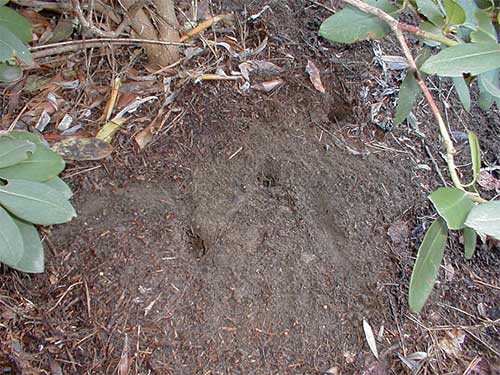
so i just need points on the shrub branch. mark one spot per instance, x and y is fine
(396, 27)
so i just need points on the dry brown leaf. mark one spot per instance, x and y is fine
(144, 137)
(268, 85)
(258, 67)
(80, 148)
(452, 342)
(315, 76)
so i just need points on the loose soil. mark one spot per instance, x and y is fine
(253, 238)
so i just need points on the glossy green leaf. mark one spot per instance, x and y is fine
(463, 91)
(473, 58)
(40, 166)
(10, 72)
(470, 239)
(431, 11)
(33, 259)
(351, 25)
(429, 258)
(16, 23)
(61, 186)
(488, 82)
(35, 202)
(11, 242)
(11, 46)
(13, 151)
(485, 218)
(455, 15)
(453, 205)
(485, 31)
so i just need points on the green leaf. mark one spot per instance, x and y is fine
(409, 93)
(11, 242)
(10, 72)
(470, 8)
(427, 26)
(431, 11)
(351, 25)
(485, 32)
(61, 186)
(485, 100)
(473, 58)
(11, 46)
(35, 202)
(463, 91)
(15, 23)
(13, 151)
(429, 258)
(33, 259)
(455, 15)
(453, 205)
(488, 82)
(35, 138)
(475, 154)
(470, 239)
(485, 218)
(40, 166)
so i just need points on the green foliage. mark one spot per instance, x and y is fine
(429, 257)
(464, 31)
(15, 32)
(453, 205)
(471, 58)
(458, 212)
(351, 25)
(30, 193)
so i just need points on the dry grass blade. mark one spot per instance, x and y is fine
(124, 364)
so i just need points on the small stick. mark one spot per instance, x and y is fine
(76, 45)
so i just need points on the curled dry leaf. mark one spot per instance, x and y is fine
(395, 62)
(258, 67)
(315, 76)
(268, 85)
(370, 338)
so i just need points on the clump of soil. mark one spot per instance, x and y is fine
(252, 239)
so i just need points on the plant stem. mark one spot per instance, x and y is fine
(427, 35)
(413, 69)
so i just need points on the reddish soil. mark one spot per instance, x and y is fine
(252, 237)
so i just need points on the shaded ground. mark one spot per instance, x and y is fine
(249, 239)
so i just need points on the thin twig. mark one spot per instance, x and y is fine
(322, 5)
(75, 45)
(127, 19)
